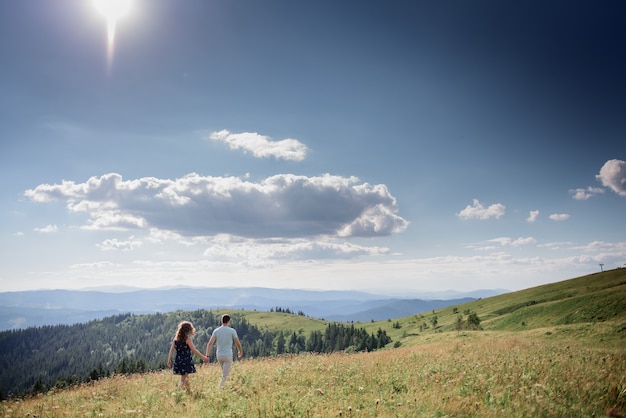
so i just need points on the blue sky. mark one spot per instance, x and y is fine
(394, 147)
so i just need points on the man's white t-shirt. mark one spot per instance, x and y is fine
(224, 338)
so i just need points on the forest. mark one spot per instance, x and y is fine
(37, 359)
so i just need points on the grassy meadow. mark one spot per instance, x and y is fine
(557, 350)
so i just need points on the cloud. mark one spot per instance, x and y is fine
(266, 253)
(92, 266)
(515, 243)
(613, 175)
(559, 216)
(501, 240)
(523, 241)
(532, 216)
(603, 247)
(115, 244)
(556, 245)
(262, 146)
(283, 205)
(478, 211)
(47, 230)
(584, 194)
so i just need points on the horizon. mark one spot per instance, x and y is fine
(390, 148)
(451, 293)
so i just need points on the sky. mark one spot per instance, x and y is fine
(393, 147)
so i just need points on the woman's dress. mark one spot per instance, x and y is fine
(183, 363)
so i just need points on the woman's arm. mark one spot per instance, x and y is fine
(195, 350)
(169, 356)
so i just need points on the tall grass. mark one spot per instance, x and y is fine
(486, 374)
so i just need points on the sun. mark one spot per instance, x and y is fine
(112, 10)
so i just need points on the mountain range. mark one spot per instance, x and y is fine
(34, 308)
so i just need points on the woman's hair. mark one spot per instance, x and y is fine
(184, 330)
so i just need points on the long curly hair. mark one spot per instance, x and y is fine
(185, 329)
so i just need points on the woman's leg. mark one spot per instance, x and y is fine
(183, 381)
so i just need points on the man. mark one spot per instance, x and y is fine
(224, 336)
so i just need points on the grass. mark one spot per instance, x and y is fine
(483, 373)
(557, 350)
(277, 321)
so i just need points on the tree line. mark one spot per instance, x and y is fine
(37, 359)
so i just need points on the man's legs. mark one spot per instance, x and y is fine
(226, 363)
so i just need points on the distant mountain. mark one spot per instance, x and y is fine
(51, 307)
(396, 309)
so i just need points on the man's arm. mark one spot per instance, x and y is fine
(209, 346)
(238, 343)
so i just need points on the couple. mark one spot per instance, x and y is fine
(223, 337)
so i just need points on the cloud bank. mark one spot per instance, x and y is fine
(284, 205)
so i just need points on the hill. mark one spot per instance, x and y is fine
(36, 359)
(553, 350)
(590, 307)
(586, 312)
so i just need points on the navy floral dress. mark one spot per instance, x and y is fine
(183, 363)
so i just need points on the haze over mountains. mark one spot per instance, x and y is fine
(51, 307)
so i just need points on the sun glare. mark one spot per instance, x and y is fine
(112, 10)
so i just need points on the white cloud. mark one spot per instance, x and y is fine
(501, 240)
(584, 194)
(601, 246)
(92, 266)
(555, 245)
(532, 216)
(262, 146)
(266, 253)
(559, 216)
(515, 243)
(115, 244)
(283, 205)
(47, 229)
(478, 211)
(613, 175)
(523, 241)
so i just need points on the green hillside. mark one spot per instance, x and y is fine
(592, 307)
(553, 350)
(579, 303)
(587, 311)
(279, 321)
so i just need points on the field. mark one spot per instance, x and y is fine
(554, 351)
